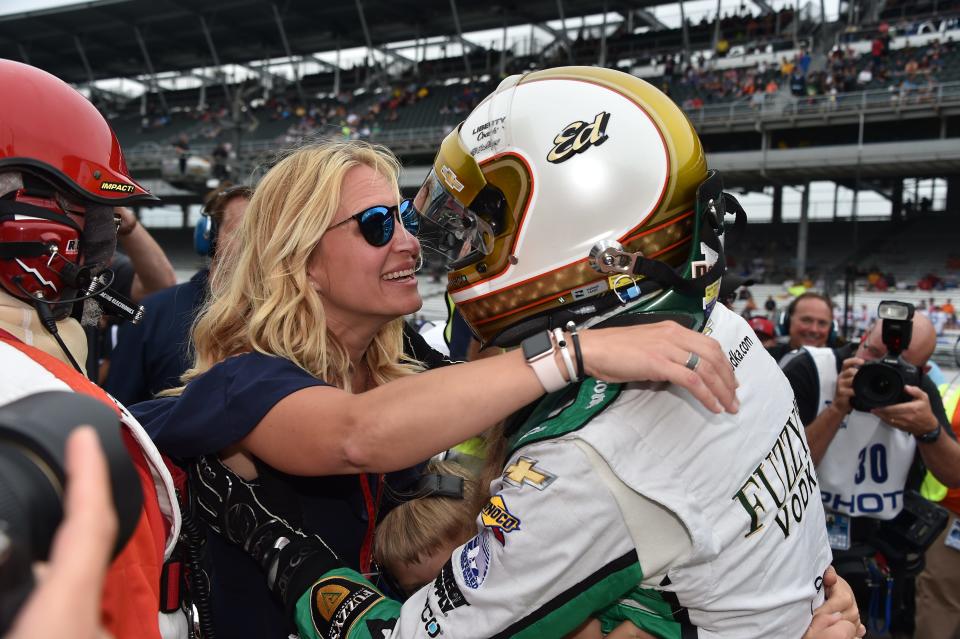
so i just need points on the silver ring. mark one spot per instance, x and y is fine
(693, 361)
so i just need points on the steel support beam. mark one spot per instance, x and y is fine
(390, 53)
(896, 202)
(456, 23)
(83, 58)
(216, 58)
(650, 19)
(686, 34)
(602, 60)
(716, 25)
(764, 7)
(286, 47)
(503, 49)
(153, 74)
(563, 31)
(803, 232)
(777, 213)
(336, 72)
(366, 33)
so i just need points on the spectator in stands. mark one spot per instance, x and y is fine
(299, 379)
(221, 160)
(182, 149)
(949, 309)
(764, 330)
(772, 88)
(798, 83)
(863, 458)
(151, 356)
(770, 305)
(807, 321)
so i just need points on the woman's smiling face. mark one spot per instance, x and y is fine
(359, 282)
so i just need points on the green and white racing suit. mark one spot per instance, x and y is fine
(626, 501)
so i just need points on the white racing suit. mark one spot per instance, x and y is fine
(626, 501)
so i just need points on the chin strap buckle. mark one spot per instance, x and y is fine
(608, 257)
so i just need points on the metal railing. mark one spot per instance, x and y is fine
(781, 105)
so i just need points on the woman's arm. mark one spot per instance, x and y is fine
(326, 431)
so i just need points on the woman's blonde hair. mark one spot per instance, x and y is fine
(418, 527)
(260, 297)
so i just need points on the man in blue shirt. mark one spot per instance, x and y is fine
(151, 356)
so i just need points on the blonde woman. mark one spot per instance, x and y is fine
(300, 383)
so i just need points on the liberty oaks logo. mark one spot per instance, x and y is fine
(579, 136)
(784, 481)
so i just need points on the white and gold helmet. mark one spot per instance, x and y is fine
(542, 199)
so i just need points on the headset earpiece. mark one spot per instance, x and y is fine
(205, 235)
(783, 323)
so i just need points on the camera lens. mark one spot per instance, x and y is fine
(877, 384)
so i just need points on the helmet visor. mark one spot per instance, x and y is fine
(453, 232)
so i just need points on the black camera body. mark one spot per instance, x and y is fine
(881, 383)
(33, 436)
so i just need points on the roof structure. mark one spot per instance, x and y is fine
(123, 38)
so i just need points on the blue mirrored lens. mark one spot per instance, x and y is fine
(410, 217)
(376, 224)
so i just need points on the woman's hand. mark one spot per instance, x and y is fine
(659, 353)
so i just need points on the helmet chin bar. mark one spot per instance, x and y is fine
(664, 294)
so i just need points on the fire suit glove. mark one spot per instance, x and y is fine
(291, 559)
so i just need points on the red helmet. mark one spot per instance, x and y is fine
(61, 174)
(49, 128)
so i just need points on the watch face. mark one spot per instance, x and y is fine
(536, 345)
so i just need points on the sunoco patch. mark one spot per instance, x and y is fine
(338, 603)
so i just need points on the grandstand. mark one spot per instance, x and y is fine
(869, 102)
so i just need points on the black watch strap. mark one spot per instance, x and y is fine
(932, 436)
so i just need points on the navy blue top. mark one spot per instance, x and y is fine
(151, 356)
(216, 410)
(220, 407)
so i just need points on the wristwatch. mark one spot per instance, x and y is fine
(932, 436)
(538, 350)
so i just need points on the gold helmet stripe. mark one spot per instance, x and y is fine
(550, 298)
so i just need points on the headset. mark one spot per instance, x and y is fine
(783, 323)
(206, 232)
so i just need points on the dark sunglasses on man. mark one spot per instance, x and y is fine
(377, 222)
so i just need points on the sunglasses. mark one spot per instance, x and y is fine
(377, 222)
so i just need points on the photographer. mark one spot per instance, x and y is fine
(866, 459)
(807, 321)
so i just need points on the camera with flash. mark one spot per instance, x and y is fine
(881, 383)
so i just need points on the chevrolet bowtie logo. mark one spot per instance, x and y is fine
(523, 472)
